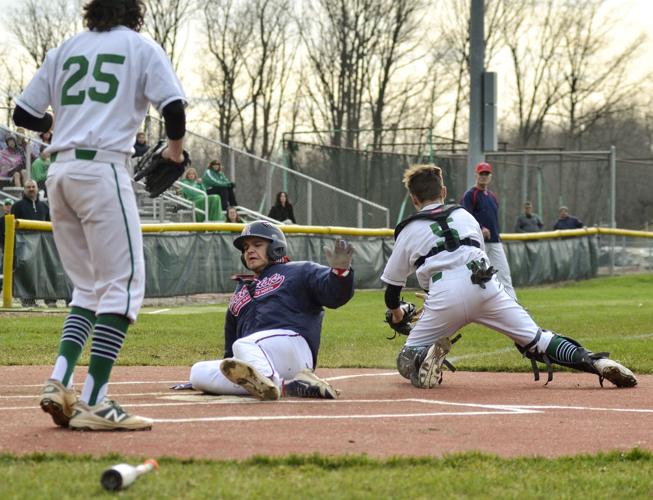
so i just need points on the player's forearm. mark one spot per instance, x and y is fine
(174, 116)
(24, 119)
(393, 297)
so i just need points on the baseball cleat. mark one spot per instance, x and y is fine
(58, 402)
(106, 416)
(616, 373)
(249, 378)
(308, 385)
(430, 371)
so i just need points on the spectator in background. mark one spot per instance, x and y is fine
(282, 209)
(40, 170)
(31, 208)
(567, 221)
(528, 222)
(191, 180)
(484, 206)
(140, 146)
(232, 215)
(12, 162)
(38, 149)
(23, 141)
(216, 182)
(6, 205)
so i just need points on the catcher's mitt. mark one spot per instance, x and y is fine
(159, 172)
(404, 326)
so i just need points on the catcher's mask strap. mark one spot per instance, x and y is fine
(534, 357)
(442, 248)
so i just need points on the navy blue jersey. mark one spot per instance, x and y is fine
(570, 222)
(484, 206)
(289, 296)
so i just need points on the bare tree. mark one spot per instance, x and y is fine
(397, 48)
(267, 58)
(40, 26)
(339, 36)
(537, 65)
(163, 21)
(227, 30)
(596, 79)
(499, 15)
(15, 71)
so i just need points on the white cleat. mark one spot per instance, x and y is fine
(106, 416)
(616, 373)
(430, 371)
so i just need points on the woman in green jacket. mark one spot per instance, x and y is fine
(216, 182)
(190, 180)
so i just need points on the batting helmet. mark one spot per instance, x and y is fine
(267, 231)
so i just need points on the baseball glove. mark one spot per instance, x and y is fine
(159, 172)
(404, 326)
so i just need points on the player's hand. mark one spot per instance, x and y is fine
(486, 233)
(341, 255)
(397, 315)
(168, 154)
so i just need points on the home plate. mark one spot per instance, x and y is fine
(205, 398)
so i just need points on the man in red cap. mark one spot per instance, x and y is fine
(484, 206)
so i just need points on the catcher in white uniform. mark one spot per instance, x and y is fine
(99, 84)
(443, 246)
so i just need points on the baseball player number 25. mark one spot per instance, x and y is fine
(82, 69)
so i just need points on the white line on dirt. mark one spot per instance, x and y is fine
(332, 417)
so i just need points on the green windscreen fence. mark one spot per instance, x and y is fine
(180, 264)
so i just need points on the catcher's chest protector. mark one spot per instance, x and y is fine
(451, 240)
(439, 214)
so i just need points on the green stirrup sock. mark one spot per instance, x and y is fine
(561, 351)
(110, 331)
(76, 329)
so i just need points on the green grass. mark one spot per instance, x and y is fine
(613, 475)
(613, 314)
(605, 314)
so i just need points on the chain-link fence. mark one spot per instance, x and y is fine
(585, 181)
(315, 201)
(580, 180)
(625, 255)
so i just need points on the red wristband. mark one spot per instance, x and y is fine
(340, 273)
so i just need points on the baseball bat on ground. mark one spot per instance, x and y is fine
(121, 476)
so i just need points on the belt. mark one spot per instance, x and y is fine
(90, 155)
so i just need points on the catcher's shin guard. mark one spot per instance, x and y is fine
(410, 359)
(563, 351)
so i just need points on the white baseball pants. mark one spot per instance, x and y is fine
(497, 256)
(454, 301)
(277, 354)
(97, 232)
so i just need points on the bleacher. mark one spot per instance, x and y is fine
(258, 180)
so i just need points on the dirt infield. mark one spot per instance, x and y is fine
(379, 414)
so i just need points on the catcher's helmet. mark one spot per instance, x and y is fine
(267, 231)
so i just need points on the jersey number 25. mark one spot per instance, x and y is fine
(94, 94)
